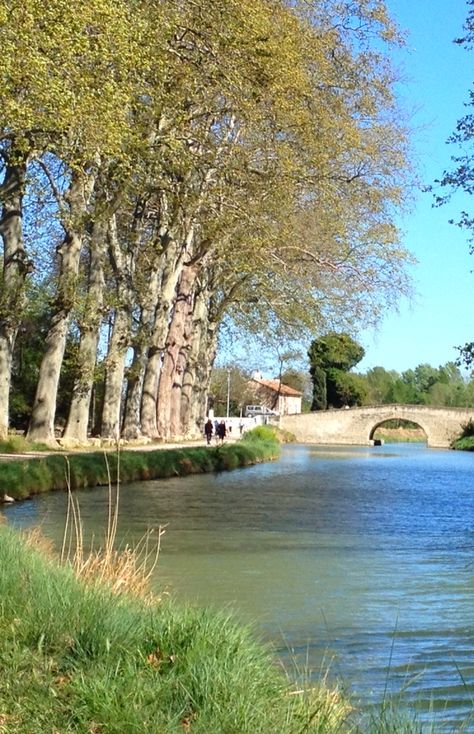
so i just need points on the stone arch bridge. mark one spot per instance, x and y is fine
(357, 425)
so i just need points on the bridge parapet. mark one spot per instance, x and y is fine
(356, 426)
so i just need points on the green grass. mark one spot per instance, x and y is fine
(19, 445)
(22, 478)
(464, 444)
(76, 659)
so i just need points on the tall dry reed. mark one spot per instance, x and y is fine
(126, 569)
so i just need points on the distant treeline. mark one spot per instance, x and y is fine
(443, 386)
(424, 385)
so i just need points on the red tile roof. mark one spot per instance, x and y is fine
(279, 387)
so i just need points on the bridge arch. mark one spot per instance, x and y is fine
(356, 425)
(381, 425)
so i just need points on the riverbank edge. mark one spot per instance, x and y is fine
(23, 478)
(463, 444)
(76, 658)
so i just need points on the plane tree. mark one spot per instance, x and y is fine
(48, 98)
(59, 64)
(247, 165)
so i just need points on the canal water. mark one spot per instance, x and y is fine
(357, 560)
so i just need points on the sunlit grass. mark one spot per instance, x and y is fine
(464, 444)
(23, 478)
(16, 444)
(74, 657)
(85, 647)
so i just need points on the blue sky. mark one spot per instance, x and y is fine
(437, 77)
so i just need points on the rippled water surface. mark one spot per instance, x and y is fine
(357, 558)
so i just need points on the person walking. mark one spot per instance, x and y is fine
(221, 431)
(208, 429)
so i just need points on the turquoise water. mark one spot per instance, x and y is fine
(360, 559)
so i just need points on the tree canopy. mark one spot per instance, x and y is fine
(166, 167)
(331, 357)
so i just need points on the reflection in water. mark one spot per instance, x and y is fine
(361, 557)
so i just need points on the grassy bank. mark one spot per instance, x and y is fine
(74, 658)
(22, 478)
(400, 435)
(464, 444)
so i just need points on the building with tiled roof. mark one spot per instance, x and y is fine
(273, 394)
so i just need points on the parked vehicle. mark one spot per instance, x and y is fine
(252, 410)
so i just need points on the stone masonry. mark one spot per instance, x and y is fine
(357, 425)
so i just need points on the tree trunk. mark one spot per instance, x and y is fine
(188, 390)
(203, 371)
(42, 418)
(171, 374)
(13, 276)
(151, 379)
(114, 376)
(131, 422)
(7, 342)
(78, 418)
(176, 426)
(209, 312)
(136, 374)
(172, 269)
(122, 263)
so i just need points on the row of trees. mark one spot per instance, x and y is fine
(333, 356)
(443, 386)
(167, 164)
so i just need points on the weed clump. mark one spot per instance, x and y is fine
(465, 442)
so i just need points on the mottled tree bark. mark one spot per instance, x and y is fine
(13, 274)
(136, 373)
(171, 375)
(171, 272)
(189, 391)
(78, 417)
(202, 377)
(41, 426)
(208, 314)
(114, 376)
(122, 263)
(175, 419)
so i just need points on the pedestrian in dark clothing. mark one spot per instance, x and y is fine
(221, 431)
(208, 428)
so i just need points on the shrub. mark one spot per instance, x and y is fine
(465, 442)
(261, 433)
(468, 429)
